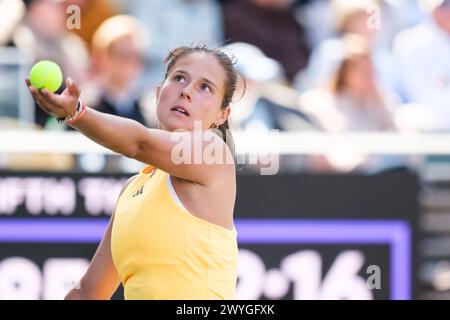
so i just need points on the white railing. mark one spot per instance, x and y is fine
(302, 143)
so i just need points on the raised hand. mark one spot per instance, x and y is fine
(57, 105)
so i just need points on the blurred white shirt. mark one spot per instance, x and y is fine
(422, 55)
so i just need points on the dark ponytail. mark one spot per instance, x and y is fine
(224, 132)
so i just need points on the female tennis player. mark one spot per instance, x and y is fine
(172, 234)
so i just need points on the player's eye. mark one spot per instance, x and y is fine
(205, 87)
(179, 78)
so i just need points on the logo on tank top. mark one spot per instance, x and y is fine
(139, 192)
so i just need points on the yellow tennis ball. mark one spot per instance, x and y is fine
(46, 74)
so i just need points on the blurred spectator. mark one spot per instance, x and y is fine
(357, 17)
(93, 13)
(422, 54)
(11, 14)
(271, 26)
(14, 101)
(43, 35)
(267, 103)
(351, 102)
(118, 48)
(176, 22)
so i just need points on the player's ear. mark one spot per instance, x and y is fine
(223, 116)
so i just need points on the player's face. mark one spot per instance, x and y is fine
(193, 91)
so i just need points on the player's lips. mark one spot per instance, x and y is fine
(180, 110)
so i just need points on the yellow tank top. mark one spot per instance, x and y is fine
(161, 251)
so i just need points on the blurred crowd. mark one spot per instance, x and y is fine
(324, 65)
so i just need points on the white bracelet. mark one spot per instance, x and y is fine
(77, 112)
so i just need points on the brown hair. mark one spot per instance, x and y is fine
(231, 82)
(355, 47)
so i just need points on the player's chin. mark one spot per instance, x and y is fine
(175, 123)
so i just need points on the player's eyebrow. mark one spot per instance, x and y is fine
(204, 79)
